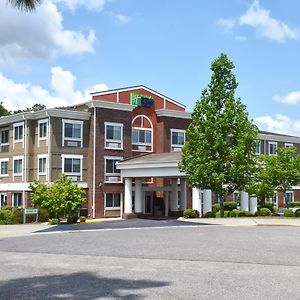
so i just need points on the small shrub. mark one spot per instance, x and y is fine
(43, 215)
(268, 204)
(215, 207)
(82, 219)
(6, 217)
(218, 214)
(72, 219)
(264, 211)
(53, 221)
(18, 215)
(209, 214)
(236, 212)
(187, 214)
(297, 213)
(289, 213)
(245, 213)
(294, 204)
(230, 206)
(231, 214)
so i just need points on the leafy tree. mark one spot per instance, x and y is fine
(219, 152)
(35, 107)
(3, 110)
(62, 198)
(25, 5)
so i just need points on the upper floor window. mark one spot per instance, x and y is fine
(257, 147)
(18, 132)
(112, 174)
(42, 164)
(142, 134)
(288, 145)
(18, 166)
(272, 148)
(4, 136)
(113, 135)
(177, 139)
(4, 167)
(72, 133)
(72, 165)
(43, 129)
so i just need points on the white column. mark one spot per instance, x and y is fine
(128, 196)
(182, 194)
(174, 200)
(138, 196)
(166, 199)
(207, 201)
(253, 204)
(244, 201)
(196, 200)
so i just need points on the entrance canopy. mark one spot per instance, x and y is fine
(151, 165)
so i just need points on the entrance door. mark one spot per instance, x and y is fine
(148, 203)
(3, 199)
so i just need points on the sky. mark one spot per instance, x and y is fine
(68, 48)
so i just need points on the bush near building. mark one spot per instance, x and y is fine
(289, 213)
(297, 213)
(190, 213)
(230, 205)
(209, 214)
(294, 204)
(6, 216)
(264, 212)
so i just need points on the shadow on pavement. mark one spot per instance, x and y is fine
(76, 286)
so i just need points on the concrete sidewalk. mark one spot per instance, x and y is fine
(257, 221)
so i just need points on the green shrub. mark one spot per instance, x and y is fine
(189, 213)
(230, 205)
(209, 214)
(297, 213)
(6, 216)
(245, 213)
(53, 221)
(43, 215)
(72, 219)
(226, 214)
(215, 207)
(17, 215)
(294, 204)
(82, 219)
(264, 211)
(268, 204)
(236, 212)
(289, 213)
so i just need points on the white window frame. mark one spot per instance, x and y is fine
(40, 122)
(289, 192)
(178, 146)
(142, 128)
(4, 129)
(269, 148)
(113, 207)
(7, 161)
(21, 157)
(42, 156)
(20, 124)
(71, 156)
(13, 199)
(64, 139)
(288, 145)
(112, 174)
(112, 141)
(258, 143)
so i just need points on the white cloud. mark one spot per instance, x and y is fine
(291, 98)
(20, 95)
(264, 24)
(121, 18)
(40, 34)
(97, 5)
(279, 123)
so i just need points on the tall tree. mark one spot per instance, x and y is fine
(25, 5)
(35, 107)
(3, 110)
(219, 152)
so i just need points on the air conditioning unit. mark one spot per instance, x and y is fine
(142, 148)
(177, 149)
(113, 179)
(113, 145)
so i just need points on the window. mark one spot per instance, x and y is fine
(177, 139)
(18, 166)
(112, 174)
(288, 145)
(42, 167)
(72, 165)
(289, 197)
(113, 135)
(43, 129)
(142, 134)
(72, 132)
(272, 148)
(112, 201)
(17, 200)
(257, 147)
(4, 167)
(18, 132)
(4, 136)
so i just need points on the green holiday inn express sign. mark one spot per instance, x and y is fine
(141, 100)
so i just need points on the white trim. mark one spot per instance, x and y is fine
(43, 121)
(289, 192)
(94, 164)
(111, 174)
(49, 150)
(269, 144)
(20, 157)
(287, 145)
(173, 114)
(40, 156)
(258, 142)
(72, 156)
(142, 128)
(278, 138)
(69, 121)
(4, 160)
(111, 140)
(1, 130)
(173, 146)
(20, 124)
(110, 105)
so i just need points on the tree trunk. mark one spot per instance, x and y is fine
(222, 206)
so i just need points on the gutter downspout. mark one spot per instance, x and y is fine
(48, 179)
(94, 164)
(25, 163)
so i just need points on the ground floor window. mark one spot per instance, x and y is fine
(289, 197)
(112, 201)
(17, 199)
(3, 199)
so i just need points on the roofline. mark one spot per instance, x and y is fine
(124, 89)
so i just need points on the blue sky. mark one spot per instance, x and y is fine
(67, 48)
